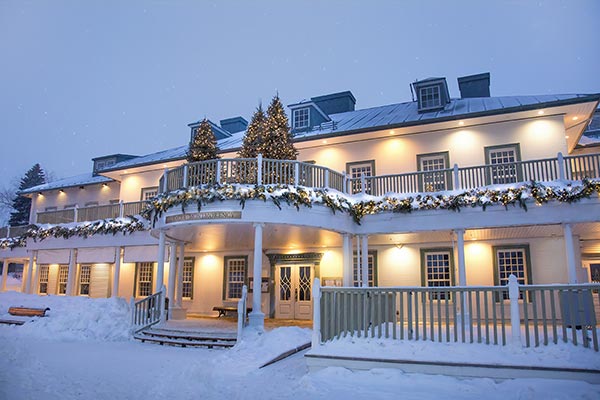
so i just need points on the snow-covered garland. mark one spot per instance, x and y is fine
(112, 226)
(360, 205)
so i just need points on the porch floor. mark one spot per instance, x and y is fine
(227, 324)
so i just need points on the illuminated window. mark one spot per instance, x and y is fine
(435, 177)
(235, 277)
(356, 170)
(301, 118)
(43, 281)
(511, 260)
(437, 270)
(63, 277)
(85, 274)
(372, 266)
(145, 272)
(503, 164)
(149, 192)
(187, 285)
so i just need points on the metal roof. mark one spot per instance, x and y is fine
(79, 180)
(386, 117)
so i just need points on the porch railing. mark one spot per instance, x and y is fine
(492, 315)
(148, 311)
(266, 171)
(92, 213)
(242, 313)
(13, 231)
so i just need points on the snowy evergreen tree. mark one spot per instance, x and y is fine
(204, 144)
(255, 134)
(277, 143)
(22, 205)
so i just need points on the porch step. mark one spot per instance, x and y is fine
(186, 338)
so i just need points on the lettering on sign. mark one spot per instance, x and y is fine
(204, 215)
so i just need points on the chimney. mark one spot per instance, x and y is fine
(335, 103)
(233, 125)
(474, 85)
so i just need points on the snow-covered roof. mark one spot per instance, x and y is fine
(79, 180)
(385, 117)
(591, 136)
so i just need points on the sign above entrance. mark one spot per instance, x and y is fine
(204, 216)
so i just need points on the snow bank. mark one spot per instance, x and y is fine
(70, 318)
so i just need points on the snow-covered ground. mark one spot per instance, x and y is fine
(82, 350)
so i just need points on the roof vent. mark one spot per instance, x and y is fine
(474, 85)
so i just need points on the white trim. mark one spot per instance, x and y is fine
(295, 117)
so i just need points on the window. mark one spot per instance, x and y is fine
(235, 277)
(114, 201)
(145, 272)
(502, 161)
(511, 260)
(50, 209)
(437, 270)
(429, 97)
(187, 275)
(70, 206)
(356, 170)
(434, 179)
(43, 282)
(595, 272)
(109, 162)
(372, 266)
(85, 273)
(63, 277)
(91, 204)
(301, 118)
(149, 192)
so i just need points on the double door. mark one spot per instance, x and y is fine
(294, 291)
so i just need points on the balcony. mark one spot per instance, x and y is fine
(12, 231)
(89, 213)
(287, 172)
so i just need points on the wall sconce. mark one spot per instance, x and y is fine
(61, 191)
(105, 185)
(399, 246)
(81, 187)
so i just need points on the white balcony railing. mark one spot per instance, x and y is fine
(92, 213)
(266, 171)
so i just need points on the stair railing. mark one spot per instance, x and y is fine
(148, 311)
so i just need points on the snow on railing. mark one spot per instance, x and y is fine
(242, 312)
(92, 213)
(148, 311)
(487, 314)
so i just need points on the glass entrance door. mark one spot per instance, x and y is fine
(294, 296)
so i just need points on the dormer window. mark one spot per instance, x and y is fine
(429, 97)
(301, 118)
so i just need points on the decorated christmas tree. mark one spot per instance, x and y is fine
(22, 205)
(204, 144)
(255, 134)
(277, 143)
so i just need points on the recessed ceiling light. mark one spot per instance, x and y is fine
(391, 132)
(566, 137)
(324, 142)
(541, 112)
(575, 118)
(461, 123)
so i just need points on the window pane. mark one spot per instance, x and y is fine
(236, 276)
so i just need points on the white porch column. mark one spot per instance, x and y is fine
(570, 249)
(160, 271)
(347, 259)
(460, 247)
(29, 282)
(72, 272)
(364, 255)
(257, 317)
(116, 272)
(179, 296)
(358, 262)
(172, 271)
(4, 275)
(36, 277)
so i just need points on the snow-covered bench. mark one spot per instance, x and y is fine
(223, 310)
(22, 315)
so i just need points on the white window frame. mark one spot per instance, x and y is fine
(144, 270)
(431, 180)
(501, 171)
(43, 278)
(356, 170)
(63, 279)
(85, 279)
(430, 97)
(187, 278)
(233, 280)
(438, 272)
(148, 192)
(371, 264)
(299, 117)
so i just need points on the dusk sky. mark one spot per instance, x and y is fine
(81, 79)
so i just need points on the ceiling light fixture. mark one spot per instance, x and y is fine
(541, 112)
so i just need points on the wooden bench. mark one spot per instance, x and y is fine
(223, 310)
(28, 312)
